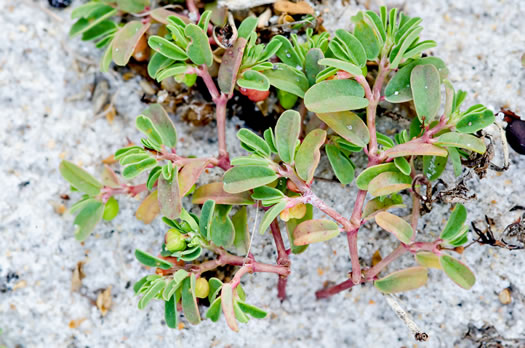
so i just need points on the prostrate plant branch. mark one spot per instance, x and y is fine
(323, 74)
(220, 100)
(225, 258)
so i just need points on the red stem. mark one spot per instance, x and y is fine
(324, 293)
(282, 258)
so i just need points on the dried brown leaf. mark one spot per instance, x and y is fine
(301, 7)
(104, 301)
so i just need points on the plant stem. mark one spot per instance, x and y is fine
(226, 258)
(372, 272)
(282, 255)
(224, 161)
(415, 202)
(282, 258)
(324, 293)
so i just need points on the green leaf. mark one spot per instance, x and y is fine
(348, 125)
(79, 178)
(247, 27)
(135, 6)
(415, 149)
(167, 48)
(135, 169)
(463, 141)
(403, 165)
(340, 65)
(461, 239)
(214, 311)
(308, 154)
(415, 50)
(227, 306)
(151, 261)
(138, 285)
(288, 79)
(169, 196)
(455, 223)
(291, 224)
(86, 9)
(457, 271)
(287, 100)
(162, 123)
(335, 95)
(170, 313)
(106, 59)
(92, 17)
(189, 301)
(190, 173)
(157, 63)
(315, 231)
(239, 179)
(215, 287)
(251, 160)
(364, 32)
(206, 218)
(379, 204)
(146, 126)
(221, 228)
(126, 40)
(433, 166)
(270, 139)
(426, 91)
(199, 49)
(251, 310)
(252, 79)
(88, 217)
(242, 235)
(428, 259)
(204, 21)
(287, 132)
(269, 51)
(397, 53)
(286, 52)
(404, 280)
(155, 288)
(239, 314)
(265, 193)
(453, 154)
(270, 215)
(133, 158)
(110, 209)
(474, 122)
(395, 225)
(312, 64)
(389, 182)
(229, 68)
(363, 180)
(215, 191)
(254, 141)
(352, 46)
(341, 165)
(398, 88)
(102, 29)
(175, 70)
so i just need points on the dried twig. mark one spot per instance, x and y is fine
(419, 334)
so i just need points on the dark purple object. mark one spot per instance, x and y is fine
(59, 3)
(515, 131)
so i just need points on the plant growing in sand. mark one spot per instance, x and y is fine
(340, 80)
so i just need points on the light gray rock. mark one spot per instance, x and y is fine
(47, 116)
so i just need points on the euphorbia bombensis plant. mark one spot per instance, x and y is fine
(341, 80)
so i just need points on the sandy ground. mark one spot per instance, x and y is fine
(47, 116)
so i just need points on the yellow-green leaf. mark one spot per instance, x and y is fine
(404, 280)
